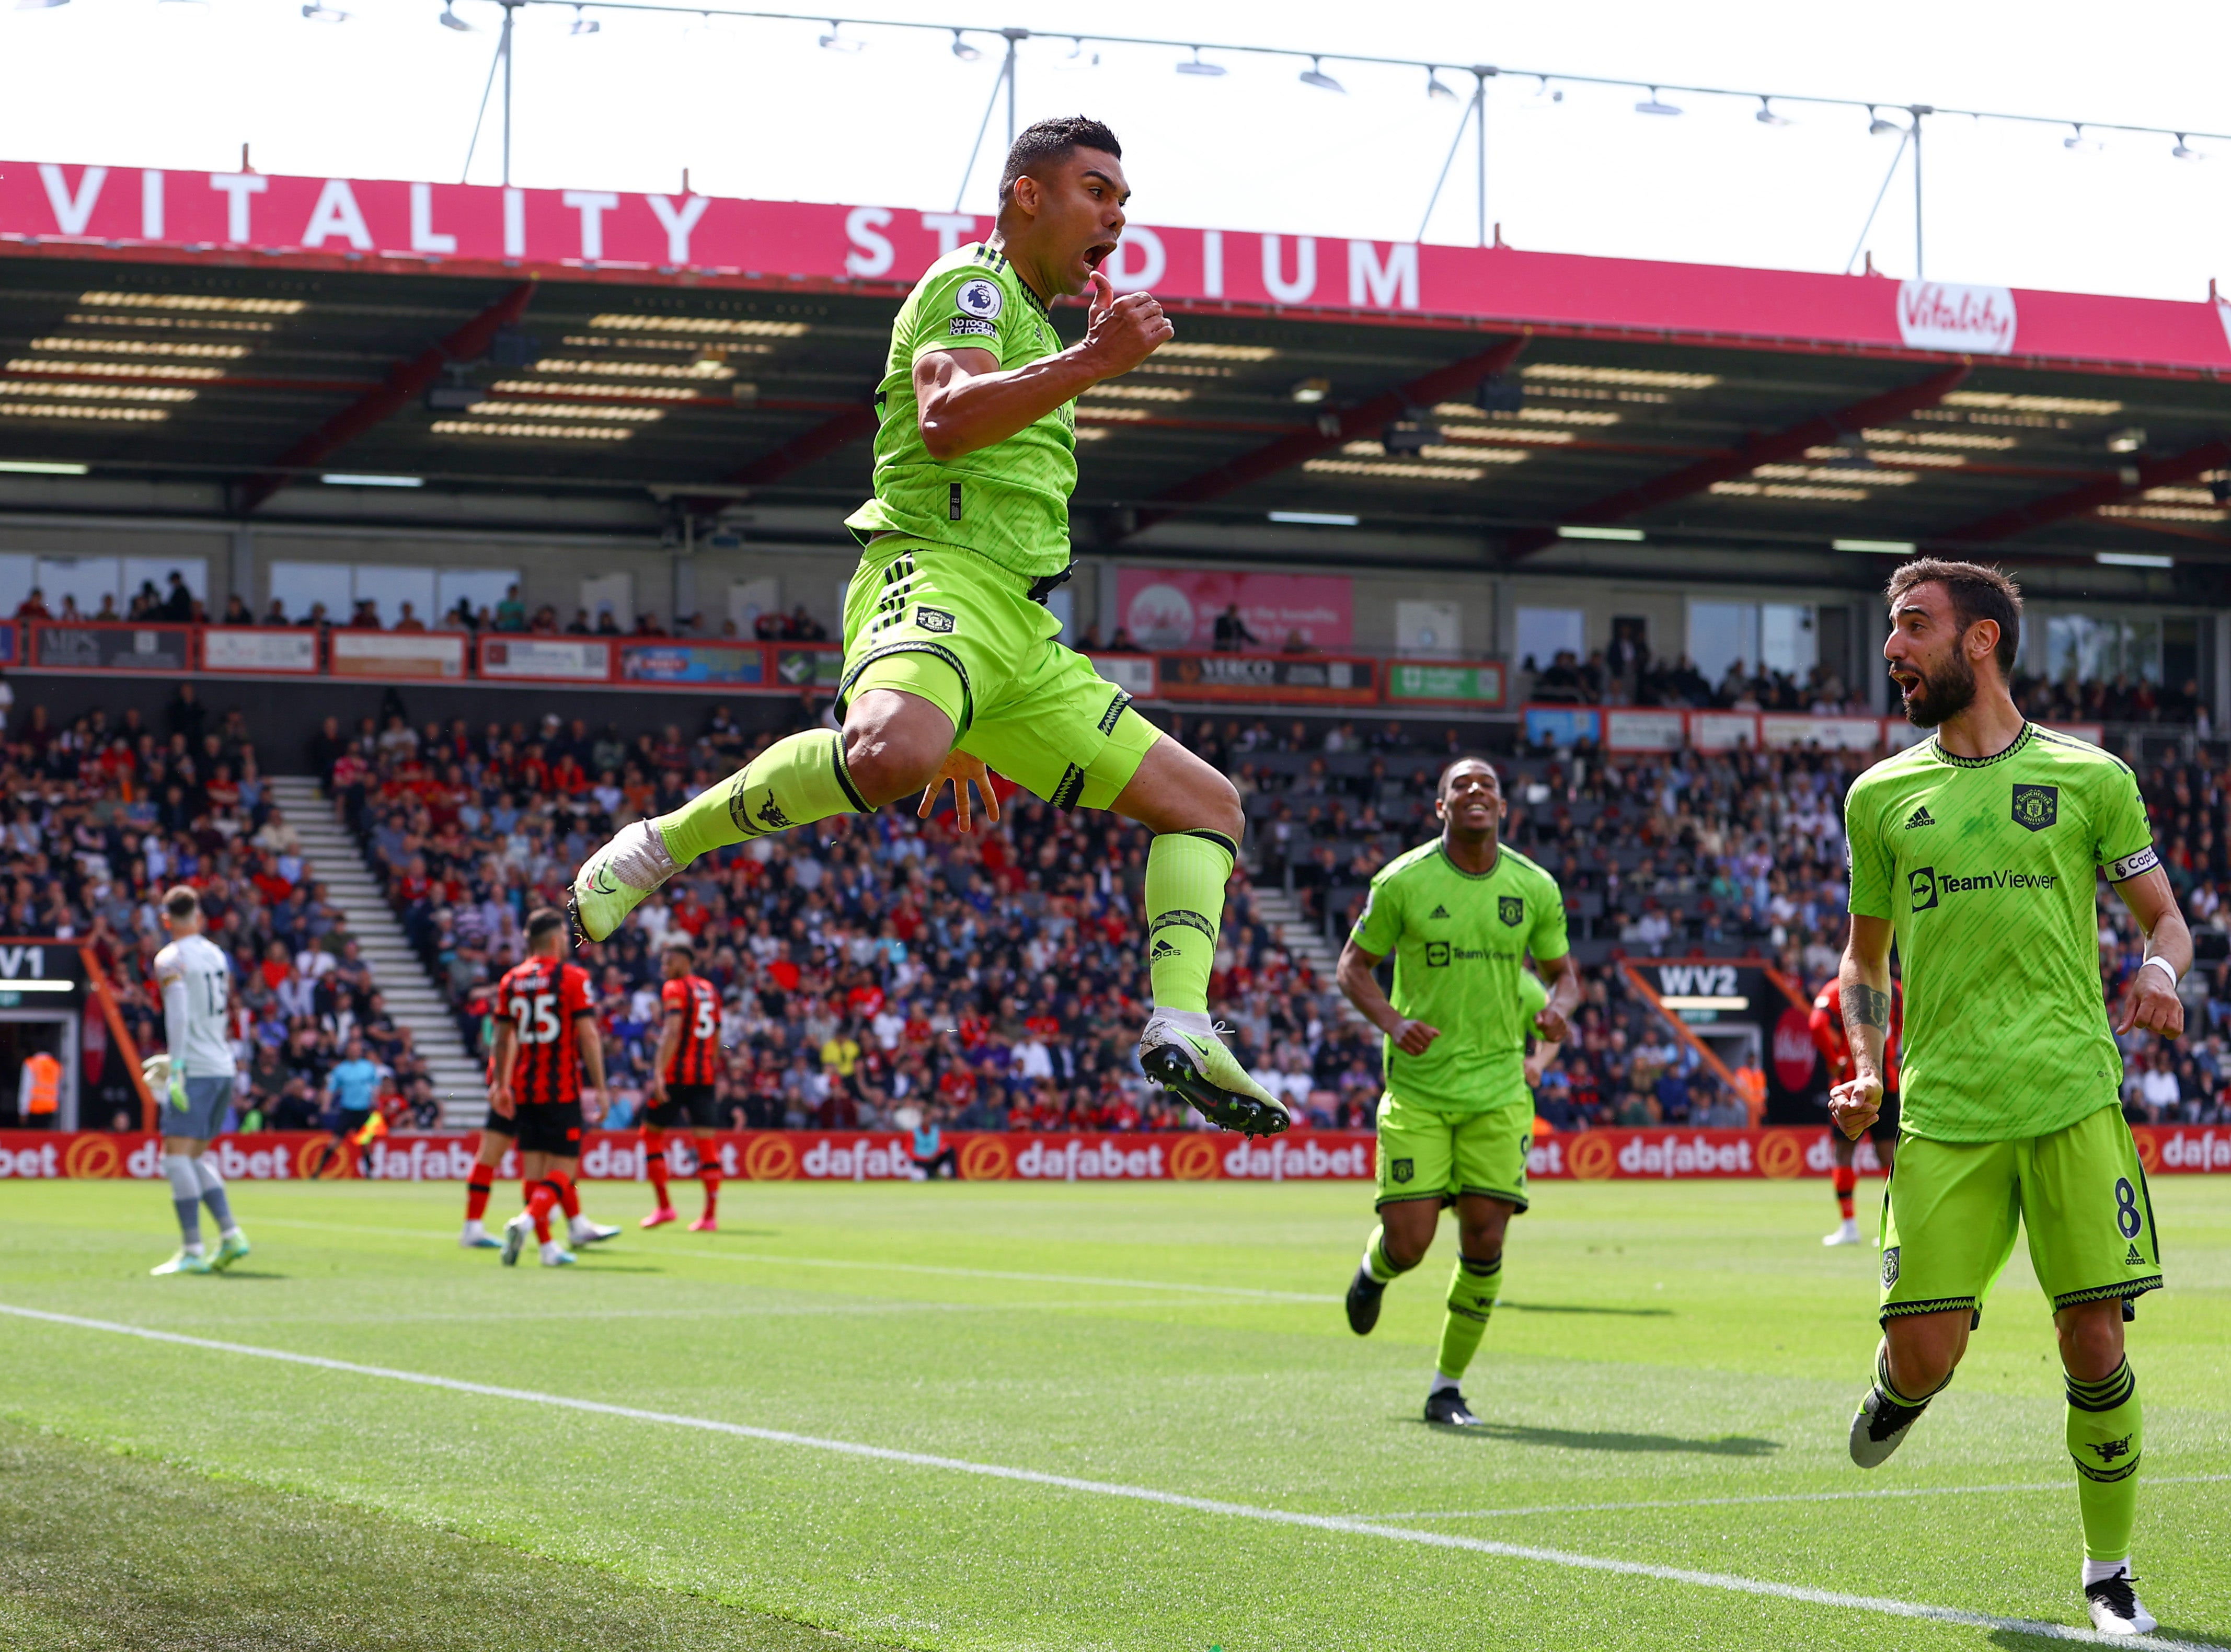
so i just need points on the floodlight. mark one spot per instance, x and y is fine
(1315, 75)
(1194, 66)
(1653, 104)
(963, 50)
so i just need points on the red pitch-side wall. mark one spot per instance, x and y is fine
(880, 1156)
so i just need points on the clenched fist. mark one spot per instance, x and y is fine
(1124, 332)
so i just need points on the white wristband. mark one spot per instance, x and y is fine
(2164, 966)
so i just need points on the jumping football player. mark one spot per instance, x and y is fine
(195, 1080)
(682, 1085)
(545, 1038)
(1827, 1025)
(951, 660)
(1460, 914)
(1979, 850)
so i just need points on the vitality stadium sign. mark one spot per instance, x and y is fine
(82, 211)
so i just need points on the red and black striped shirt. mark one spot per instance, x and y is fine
(698, 1057)
(544, 999)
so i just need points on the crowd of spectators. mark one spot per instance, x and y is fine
(984, 979)
(1628, 674)
(103, 816)
(873, 968)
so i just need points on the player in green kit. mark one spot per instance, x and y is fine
(952, 665)
(1978, 851)
(1460, 914)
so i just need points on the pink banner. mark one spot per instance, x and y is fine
(1177, 608)
(1776, 1154)
(116, 208)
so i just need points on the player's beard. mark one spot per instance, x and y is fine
(1947, 694)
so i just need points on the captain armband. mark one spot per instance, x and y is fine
(2130, 866)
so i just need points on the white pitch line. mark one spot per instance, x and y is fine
(1777, 1497)
(1243, 1291)
(1878, 1604)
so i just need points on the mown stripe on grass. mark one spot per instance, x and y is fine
(1244, 1292)
(1878, 1604)
(1774, 1497)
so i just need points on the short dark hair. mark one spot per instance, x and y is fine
(542, 921)
(1441, 786)
(682, 942)
(1977, 592)
(1052, 140)
(182, 902)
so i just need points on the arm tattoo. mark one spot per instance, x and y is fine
(1865, 1007)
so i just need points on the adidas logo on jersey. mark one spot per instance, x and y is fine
(2134, 1260)
(1439, 911)
(1920, 817)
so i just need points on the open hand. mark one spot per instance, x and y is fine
(499, 1099)
(961, 769)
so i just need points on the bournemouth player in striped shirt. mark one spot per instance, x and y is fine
(545, 1037)
(681, 1088)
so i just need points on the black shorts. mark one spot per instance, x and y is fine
(542, 1127)
(686, 1104)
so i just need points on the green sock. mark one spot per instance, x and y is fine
(798, 780)
(2106, 1433)
(1374, 1258)
(1473, 1290)
(1186, 875)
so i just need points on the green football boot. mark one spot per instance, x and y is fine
(230, 1250)
(1199, 1068)
(186, 1262)
(613, 881)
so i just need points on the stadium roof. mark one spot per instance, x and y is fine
(252, 335)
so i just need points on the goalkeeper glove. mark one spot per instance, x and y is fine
(161, 1074)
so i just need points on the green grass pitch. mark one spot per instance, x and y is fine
(1668, 1384)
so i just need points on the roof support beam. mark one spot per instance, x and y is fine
(405, 384)
(2108, 490)
(1368, 419)
(831, 435)
(1827, 429)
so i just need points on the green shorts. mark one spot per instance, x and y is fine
(1950, 1208)
(961, 632)
(1425, 1154)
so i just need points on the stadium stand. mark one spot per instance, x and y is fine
(986, 979)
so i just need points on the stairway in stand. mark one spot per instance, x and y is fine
(412, 997)
(1303, 942)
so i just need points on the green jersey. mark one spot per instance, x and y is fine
(1986, 868)
(1459, 941)
(1008, 502)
